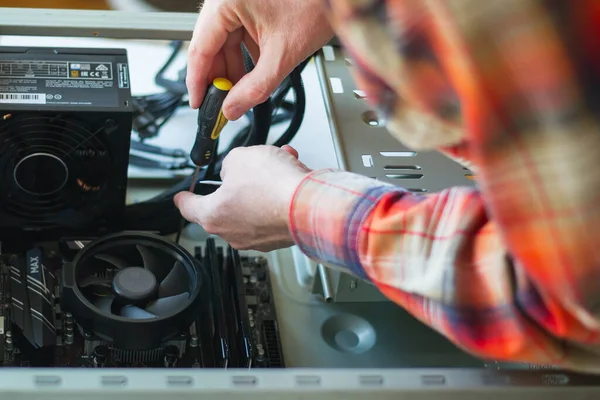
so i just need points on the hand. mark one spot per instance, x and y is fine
(250, 210)
(279, 34)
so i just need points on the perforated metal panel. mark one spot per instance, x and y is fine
(364, 145)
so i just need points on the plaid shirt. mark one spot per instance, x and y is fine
(510, 270)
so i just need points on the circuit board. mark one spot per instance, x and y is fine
(237, 330)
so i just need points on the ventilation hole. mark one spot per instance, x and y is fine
(494, 380)
(180, 381)
(359, 94)
(328, 53)
(114, 381)
(398, 153)
(397, 167)
(349, 62)
(370, 118)
(404, 176)
(371, 380)
(418, 190)
(47, 381)
(555, 379)
(431, 380)
(336, 85)
(367, 160)
(308, 381)
(470, 176)
(245, 381)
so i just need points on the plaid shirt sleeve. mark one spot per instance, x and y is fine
(510, 270)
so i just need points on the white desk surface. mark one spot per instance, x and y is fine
(313, 141)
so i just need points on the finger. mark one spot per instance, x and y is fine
(192, 207)
(234, 59)
(291, 150)
(210, 34)
(256, 86)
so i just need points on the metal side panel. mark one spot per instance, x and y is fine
(363, 144)
(107, 24)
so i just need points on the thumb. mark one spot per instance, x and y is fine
(258, 85)
(192, 207)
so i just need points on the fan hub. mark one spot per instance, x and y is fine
(41, 174)
(135, 283)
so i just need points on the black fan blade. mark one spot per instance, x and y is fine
(175, 283)
(115, 261)
(168, 305)
(151, 261)
(105, 303)
(134, 312)
(95, 281)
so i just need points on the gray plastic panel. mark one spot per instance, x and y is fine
(364, 145)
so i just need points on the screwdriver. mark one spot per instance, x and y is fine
(211, 122)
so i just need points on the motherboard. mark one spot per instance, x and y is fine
(118, 305)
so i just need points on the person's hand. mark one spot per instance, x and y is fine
(279, 34)
(250, 210)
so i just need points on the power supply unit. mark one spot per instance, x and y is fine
(65, 126)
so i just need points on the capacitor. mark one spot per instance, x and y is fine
(194, 341)
(260, 353)
(171, 356)
(100, 355)
(9, 341)
(69, 338)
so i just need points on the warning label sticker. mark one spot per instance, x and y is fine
(61, 82)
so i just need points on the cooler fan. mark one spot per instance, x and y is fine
(51, 167)
(134, 289)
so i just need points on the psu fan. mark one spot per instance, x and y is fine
(135, 290)
(65, 126)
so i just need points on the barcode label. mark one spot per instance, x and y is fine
(23, 98)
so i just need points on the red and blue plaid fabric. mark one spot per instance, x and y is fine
(510, 270)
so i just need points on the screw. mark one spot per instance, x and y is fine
(353, 284)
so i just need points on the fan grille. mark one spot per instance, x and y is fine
(51, 167)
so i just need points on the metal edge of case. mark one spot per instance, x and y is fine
(92, 23)
(318, 384)
(363, 144)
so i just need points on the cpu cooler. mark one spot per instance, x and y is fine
(134, 289)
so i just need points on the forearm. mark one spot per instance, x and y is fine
(438, 256)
